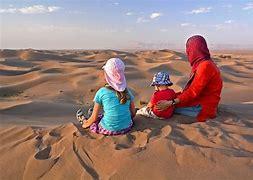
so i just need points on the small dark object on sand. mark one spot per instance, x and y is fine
(225, 56)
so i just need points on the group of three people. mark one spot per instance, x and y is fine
(199, 98)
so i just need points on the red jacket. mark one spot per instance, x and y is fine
(167, 94)
(204, 89)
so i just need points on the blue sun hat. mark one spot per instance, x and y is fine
(161, 78)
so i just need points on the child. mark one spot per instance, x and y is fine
(116, 100)
(161, 82)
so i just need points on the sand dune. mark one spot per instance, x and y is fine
(153, 149)
(40, 90)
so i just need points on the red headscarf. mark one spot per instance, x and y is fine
(197, 51)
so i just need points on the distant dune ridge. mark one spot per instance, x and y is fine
(40, 90)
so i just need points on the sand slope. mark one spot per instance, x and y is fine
(39, 138)
(220, 149)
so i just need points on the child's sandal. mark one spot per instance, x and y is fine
(80, 116)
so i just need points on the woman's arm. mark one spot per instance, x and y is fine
(132, 109)
(201, 79)
(164, 104)
(93, 117)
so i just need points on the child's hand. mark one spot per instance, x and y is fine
(86, 124)
(150, 105)
(148, 108)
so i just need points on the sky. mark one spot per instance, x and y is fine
(124, 24)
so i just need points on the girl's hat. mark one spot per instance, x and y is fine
(114, 74)
(161, 78)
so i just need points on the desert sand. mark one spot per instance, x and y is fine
(40, 91)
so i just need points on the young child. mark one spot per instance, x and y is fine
(115, 99)
(161, 82)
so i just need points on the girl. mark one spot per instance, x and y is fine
(115, 99)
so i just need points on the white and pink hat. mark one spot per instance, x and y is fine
(114, 74)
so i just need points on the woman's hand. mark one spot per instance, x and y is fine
(163, 105)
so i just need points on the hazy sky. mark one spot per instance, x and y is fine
(94, 24)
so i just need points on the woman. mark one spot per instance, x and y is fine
(201, 95)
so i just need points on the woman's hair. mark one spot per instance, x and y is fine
(122, 96)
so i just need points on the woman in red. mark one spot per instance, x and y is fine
(201, 96)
